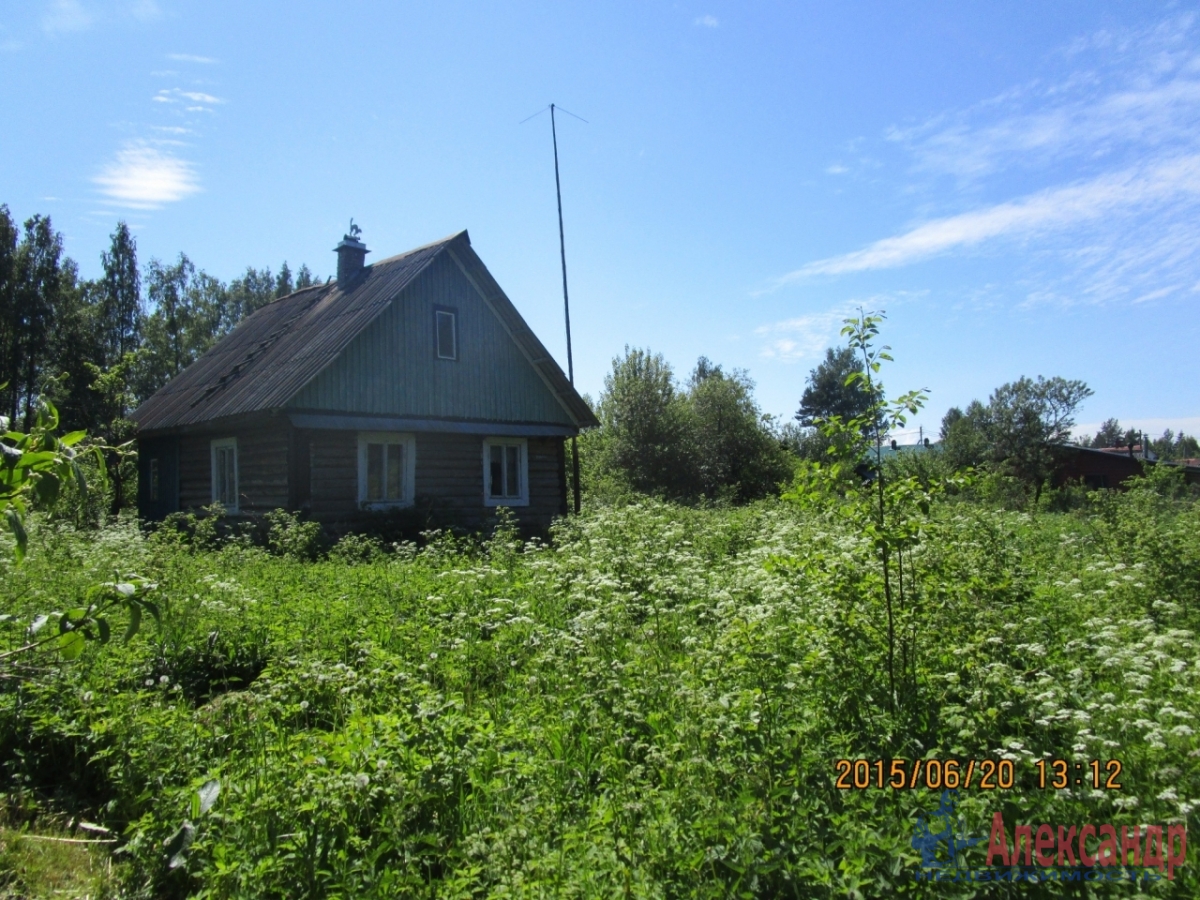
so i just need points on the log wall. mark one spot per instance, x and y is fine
(449, 476)
(262, 455)
(449, 481)
(334, 475)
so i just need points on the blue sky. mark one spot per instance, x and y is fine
(1016, 184)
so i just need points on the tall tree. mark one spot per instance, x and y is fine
(646, 425)
(706, 440)
(188, 313)
(827, 393)
(965, 436)
(1173, 446)
(120, 312)
(737, 455)
(76, 351)
(1111, 434)
(48, 333)
(283, 283)
(9, 317)
(247, 294)
(167, 287)
(39, 288)
(1019, 428)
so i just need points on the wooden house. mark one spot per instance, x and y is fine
(409, 383)
(1109, 467)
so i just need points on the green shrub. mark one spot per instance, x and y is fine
(356, 548)
(206, 529)
(289, 535)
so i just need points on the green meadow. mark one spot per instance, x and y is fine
(649, 704)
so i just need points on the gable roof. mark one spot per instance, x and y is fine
(280, 348)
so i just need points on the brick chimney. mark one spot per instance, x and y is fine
(352, 253)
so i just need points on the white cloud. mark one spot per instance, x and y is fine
(803, 337)
(197, 97)
(836, 169)
(1143, 117)
(707, 21)
(143, 177)
(188, 57)
(1157, 294)
(175, 95)
(1049, 210)
(1138, 91)
(66, 15)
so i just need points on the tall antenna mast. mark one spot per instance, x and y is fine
(562, 249)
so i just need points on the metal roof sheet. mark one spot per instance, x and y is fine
(281, 347)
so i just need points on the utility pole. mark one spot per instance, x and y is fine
(562, 249)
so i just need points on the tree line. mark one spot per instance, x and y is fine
(705, 438)
(96, 348)
(1169, 445)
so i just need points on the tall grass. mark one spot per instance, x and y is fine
(650, 705)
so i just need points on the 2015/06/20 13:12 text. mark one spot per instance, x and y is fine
(985, 774)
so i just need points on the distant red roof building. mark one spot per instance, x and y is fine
(1109, 467)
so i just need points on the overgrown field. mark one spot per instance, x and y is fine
(650, 706)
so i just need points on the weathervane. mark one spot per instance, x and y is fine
(355, 231)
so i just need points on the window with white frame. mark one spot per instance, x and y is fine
(445, 332)
(505, 472)
(386, 469)
(225, 473)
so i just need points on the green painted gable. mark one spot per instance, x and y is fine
(391, 368)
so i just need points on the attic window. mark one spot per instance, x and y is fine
(445, 326)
